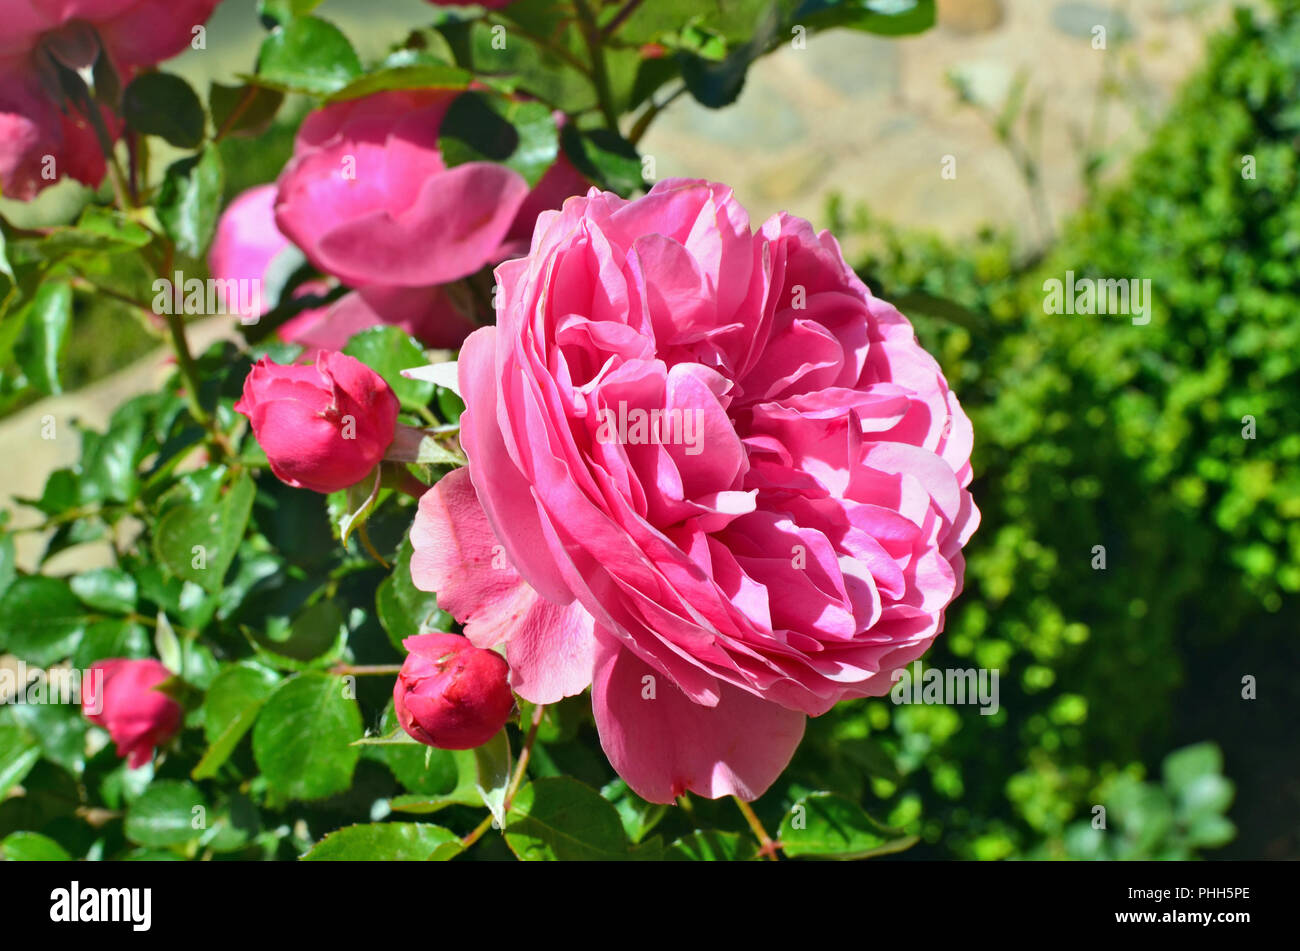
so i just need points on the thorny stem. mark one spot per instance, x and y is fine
(366, 670)
(767, 846)
(524, 754)
(628, 9)
(477, 834)
(648, 116)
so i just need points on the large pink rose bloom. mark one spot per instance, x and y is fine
(786, 541)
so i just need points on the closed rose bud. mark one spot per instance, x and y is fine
(323, 427)
(451, 694)
(120, 695)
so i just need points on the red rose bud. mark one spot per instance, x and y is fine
(119, 696)
(451, 694)
(323, 427)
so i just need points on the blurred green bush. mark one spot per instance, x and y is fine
(1091, 430)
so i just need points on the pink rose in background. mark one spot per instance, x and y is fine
(246, 243)
(451, 694)
(323, 427)
(136, 716)
(43, 139)
(730, 484)
(133, 32)
(40, 144)
(369, 199)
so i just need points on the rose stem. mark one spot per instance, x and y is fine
(768, 846)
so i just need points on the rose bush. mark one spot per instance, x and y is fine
(292, 527)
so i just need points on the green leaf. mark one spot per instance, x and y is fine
(231, 706)
(883, 17)
(302, 740)
(282, 11)
(561, 819)
(109, 589)
(307, 55)
(108, 460)
(829, 826)
(168, 644)
(32, 847)
(98, 231)
(462, 793)
(308, 635)
(388, 351)
(385, 842)
(605, 158)
(59, 728)
(231, 825)
(47, 319)
(424, 770)
(480, 127)
(169, 812)
(637, 815)
(164, 105)
(41, 619)
(492, 774)
(403, 609)
(189, 201)
(18, 754)
(243, 110)
(1183, 767)
(115, 637)
(198, 542)
(714, 845)
(405, 69)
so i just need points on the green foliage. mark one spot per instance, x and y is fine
(1090, 430)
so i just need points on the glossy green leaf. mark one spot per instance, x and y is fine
(388, 351)
(164, 105)
(169, 812)
(47, 320)
(829, 826)
(386, 842)
(561, 819)
(714, 845)
(480, 127)
(243, 110)
(32, 847)
(303, 736)
(189, 201)
(41, 619)
(307, 55)
(109, 589)
(198, 542)
(18, 754)
(230, 708)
